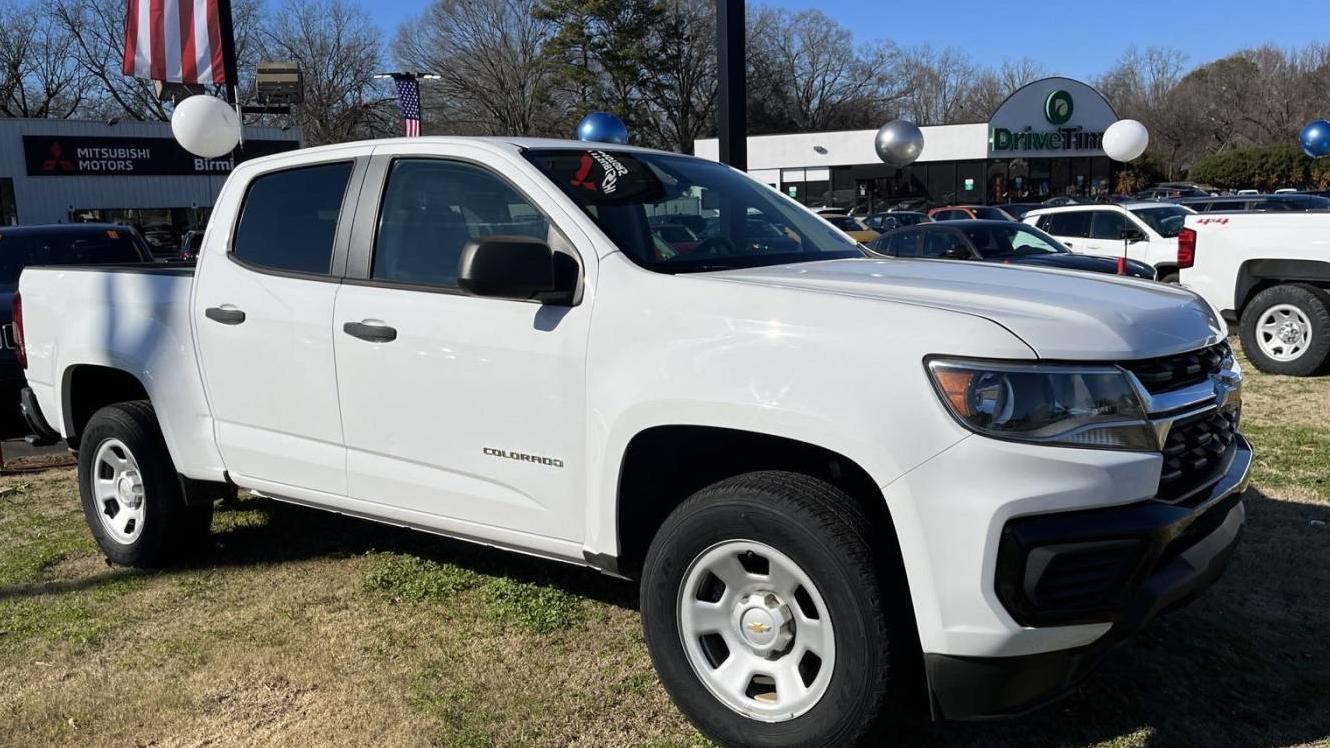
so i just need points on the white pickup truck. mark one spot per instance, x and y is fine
(1270, 273)
(840, 480)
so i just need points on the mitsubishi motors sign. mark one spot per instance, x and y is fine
(57, 156)
(1049, 118)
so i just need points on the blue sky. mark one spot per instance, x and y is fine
(1068, 37)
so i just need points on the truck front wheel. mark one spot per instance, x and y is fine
(764, 614)
(131, 496)
(1286, 330)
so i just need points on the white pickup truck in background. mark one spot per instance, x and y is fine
(840, 480)
(1270, 273)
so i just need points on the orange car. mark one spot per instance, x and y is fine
(964, 212)
(851, 226)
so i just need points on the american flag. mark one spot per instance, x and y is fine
(408, 100)
(178, 41)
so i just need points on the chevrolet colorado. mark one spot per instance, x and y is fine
(840, 480)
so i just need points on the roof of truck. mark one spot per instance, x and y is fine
(505, 143)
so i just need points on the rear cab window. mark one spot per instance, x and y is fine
(289, 219)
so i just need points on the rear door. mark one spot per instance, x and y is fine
(263, 307)
(471, 413)
(1071, 227)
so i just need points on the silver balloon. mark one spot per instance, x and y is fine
(899, 143)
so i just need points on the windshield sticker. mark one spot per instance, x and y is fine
(610, 167)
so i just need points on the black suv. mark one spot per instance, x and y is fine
(1279, 202)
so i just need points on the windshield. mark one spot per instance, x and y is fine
(63, 247)
(1011, 240)
(1166, 220)
(747, 224)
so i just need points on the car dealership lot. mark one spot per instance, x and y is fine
(298, 627)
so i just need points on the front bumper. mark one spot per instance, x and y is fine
(1169, 554)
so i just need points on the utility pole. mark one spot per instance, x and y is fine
(732, 117)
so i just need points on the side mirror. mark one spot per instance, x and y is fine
(513, 267)
(1133, 235)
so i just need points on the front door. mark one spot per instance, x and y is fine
(263, 312)
(456, 406)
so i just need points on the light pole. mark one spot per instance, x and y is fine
(732, 116)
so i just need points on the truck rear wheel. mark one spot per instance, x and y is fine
(764, 614)
(130, 492)
(1286, 330)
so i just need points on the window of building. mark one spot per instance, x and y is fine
(289, 218)
(8, 211)
(432, 208)
(1071, 223)
(1107, 224)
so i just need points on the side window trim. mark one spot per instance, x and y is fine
(341, 234)
(360, 258)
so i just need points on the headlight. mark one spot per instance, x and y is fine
(1072, 406)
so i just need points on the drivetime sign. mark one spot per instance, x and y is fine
(1050, 117)
(57, 156)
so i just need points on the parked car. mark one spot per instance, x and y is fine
(1142, 231)
(964, 212)
(1170, 190)
(1006, 242)
(1016, 210)
(853, 227)
(881, 222)
(1248, 203)
(189, 245)
(1269, 273)
(838, 479)
(1057, 200)
(55, 244)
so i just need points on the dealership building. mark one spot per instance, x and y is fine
(1044, 140)
(62, 171)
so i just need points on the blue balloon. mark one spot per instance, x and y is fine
(1315, 138)
(602, 127)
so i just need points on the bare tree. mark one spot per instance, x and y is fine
(807, 74)
(496, 79)
(97, 32)
(339, 52)
(940, 85)
(39, 76)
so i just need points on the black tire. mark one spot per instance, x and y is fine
(1314, 303)
(829, 536)
(1168, 276)
(170, 527)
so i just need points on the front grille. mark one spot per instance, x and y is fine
(1173, 372)
(1197, 453)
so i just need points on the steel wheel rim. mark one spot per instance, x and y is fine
(117, 488)
(762, 643)
(1284, 332)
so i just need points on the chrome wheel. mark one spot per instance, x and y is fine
(756, 630)
(1284, 332)
(117, 485)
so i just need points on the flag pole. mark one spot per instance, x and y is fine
(229, 66)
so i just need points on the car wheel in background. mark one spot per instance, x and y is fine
(765, 616)
(1286, 330)
(130, 492)
(1170, 276)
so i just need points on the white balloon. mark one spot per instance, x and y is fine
(1125, 140)
(205, 126)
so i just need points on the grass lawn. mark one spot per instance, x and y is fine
(303, 628)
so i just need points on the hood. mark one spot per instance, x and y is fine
(1061, 314)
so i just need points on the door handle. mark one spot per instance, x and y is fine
(224, 315)
(374, 333)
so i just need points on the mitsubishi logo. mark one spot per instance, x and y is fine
(56, 160)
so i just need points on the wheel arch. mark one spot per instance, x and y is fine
(1255, 276)
(86, 388)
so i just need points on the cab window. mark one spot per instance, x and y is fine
(1073, 223)
(289, 218)
(433, 207)
(1107, 225)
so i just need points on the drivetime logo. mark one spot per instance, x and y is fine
(1058, 107)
